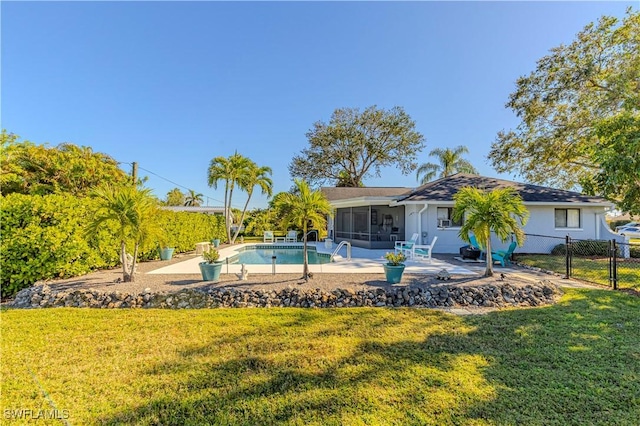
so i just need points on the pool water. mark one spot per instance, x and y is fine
(259, 255)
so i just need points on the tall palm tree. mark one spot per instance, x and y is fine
(497, 211)
(193, 199)
(451, 162)
(303, 208)
(256, 176)
(128, 211)
(230, 170)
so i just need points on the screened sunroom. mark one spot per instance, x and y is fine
(372, 227)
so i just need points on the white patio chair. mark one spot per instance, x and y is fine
(292, 237)
(423, 252)
(406, 247)
(267, 237)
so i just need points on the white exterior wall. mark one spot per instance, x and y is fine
(448, 240)
(410, 220)
(541, 222)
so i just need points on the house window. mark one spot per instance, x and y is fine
(445, 218)
(567, 218)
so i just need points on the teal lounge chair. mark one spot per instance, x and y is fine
(475, 245)
(504, 256)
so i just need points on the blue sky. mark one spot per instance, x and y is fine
(171, 85)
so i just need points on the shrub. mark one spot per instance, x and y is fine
(584, 248)
(42, 238)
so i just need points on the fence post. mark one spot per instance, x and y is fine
(614, 268)
(568, 256)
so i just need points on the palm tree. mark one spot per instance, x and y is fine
(256, 176)
(451, 162)
(128, 212)
(304, 208)
(486, 212)
(175, 197)
(230, 170)
(193, 199)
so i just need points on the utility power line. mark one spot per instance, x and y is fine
(175, 183)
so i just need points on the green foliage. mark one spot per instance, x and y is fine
(450, 162)
(193, 198)
(395, 259)
(258, 221)
(583, 248)
(43, 238)
(40, 240)
(303, 208)
(618, 155)
(175, 197)
(238, 171)
(564, 103)
(500, 212)
(254, 176)
(129, 212)
(38, 169)
(211, 256)
(355, 145)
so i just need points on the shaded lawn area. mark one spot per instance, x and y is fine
(577, 362)
(588, 269)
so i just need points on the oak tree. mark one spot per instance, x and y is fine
(355, 145)
(562, 104)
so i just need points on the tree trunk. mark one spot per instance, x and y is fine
(227, 210)
(125, 263)
(133, 264)
(244, 211)
(305, 271)
(489, 271)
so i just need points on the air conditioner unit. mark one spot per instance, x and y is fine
(444, 223)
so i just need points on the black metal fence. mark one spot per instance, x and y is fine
(607, 262)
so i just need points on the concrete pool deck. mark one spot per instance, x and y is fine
(363, 261)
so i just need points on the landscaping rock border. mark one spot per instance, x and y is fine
(504, 295)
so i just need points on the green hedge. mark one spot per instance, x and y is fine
(42, 238)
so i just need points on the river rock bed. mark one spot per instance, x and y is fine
(486, 296)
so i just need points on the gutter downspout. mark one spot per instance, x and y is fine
(420, 222)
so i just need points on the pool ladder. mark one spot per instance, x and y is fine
(343, 243)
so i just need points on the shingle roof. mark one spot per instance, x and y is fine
(445, 188)
(340, 193)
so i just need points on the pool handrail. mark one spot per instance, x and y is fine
(342, 243)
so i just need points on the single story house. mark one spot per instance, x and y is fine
(377, 217)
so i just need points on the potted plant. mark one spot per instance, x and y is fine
(164, 249)
(394, 267)
(210, 268)
(166, 253)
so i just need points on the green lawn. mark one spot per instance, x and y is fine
(593, 270)
(577, 362)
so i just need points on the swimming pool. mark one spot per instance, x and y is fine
(262, 255)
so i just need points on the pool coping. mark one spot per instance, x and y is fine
(363, 261)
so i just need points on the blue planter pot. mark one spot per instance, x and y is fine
(166, 253)
(215, 242)
(393, 273)
(210, 271)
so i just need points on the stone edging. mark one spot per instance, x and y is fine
(543, 293)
